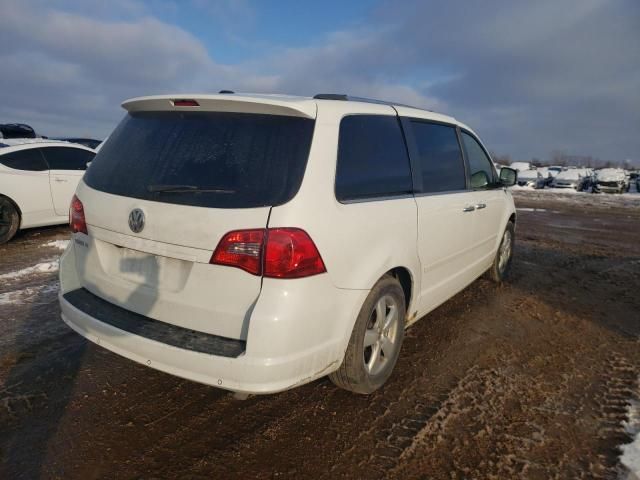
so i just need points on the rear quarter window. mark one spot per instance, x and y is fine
(372, 158)
(237, 160)
(65, 158)
(30, 160)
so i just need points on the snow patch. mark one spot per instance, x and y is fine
(630, 457)
(59, 244)
(584, 199)
(524, 209)
(44, 267)
(25, 295)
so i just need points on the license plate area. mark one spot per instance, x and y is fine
(146, 270)
(141, 265)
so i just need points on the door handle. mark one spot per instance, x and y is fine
(58, 179)
(480, 206)
(470, 208)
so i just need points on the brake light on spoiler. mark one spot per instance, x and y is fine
(185, 103)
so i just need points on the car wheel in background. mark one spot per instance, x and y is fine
(502, 263)
(376, 339)
(9, 220)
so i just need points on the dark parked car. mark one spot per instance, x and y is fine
(17, 130)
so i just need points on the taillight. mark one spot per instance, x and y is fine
(242, 249)
(290, 253)
(273, 252)
(76, 216)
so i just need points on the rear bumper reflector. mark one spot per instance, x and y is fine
(146, 327)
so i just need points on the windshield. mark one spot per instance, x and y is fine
(207, 159)
(610, 174)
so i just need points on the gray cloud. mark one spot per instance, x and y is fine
(530, 77)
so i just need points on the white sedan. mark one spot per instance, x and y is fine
(37, 181)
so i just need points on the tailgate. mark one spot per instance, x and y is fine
(163, 272)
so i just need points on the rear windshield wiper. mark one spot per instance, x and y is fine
(185, 188)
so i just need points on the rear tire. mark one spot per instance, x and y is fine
(502, 263)
(376, 339)
(9, 220)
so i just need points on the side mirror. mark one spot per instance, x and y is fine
(508, 176)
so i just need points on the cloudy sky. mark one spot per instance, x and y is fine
(531, 77)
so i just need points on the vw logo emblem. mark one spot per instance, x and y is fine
(136, 220)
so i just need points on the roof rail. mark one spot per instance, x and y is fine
(331, 96)
(347, 98)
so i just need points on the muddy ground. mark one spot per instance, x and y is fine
(526, 380)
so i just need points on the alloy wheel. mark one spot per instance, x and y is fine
(505, 251)
(381, 336)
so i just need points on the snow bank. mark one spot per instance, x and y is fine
(630, 457)
(59, 244)
(528, 175)
(25, 295)
(45, 267)
(585, 199)
(519, 166)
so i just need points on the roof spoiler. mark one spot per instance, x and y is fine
(224, 102)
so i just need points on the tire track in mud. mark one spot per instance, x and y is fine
(465, 401)
(378, 447)
(215, 431)
(424, 421)
(492, 425)
(620, 387)
(267, 425)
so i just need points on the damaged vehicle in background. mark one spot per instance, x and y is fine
(531, 178)
(611, 180)
(577, 178)
(555, 170)
(547, 175)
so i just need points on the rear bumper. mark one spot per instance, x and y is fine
(298, 332)
(167, 333)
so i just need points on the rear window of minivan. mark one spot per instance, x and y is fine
(372, 159)
(213, 159)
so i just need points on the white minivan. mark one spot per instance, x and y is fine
(258, 242)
